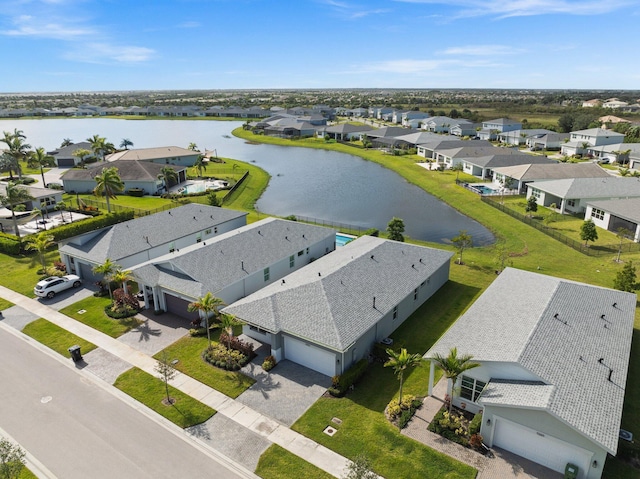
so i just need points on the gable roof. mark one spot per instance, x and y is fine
(140, 234)
(132, 170)
(470, 150)
(552, 171)
(347, 128)
(161, 152)
(388, 131)
(502, 121)
(67, 151)
(553, 328)
(610, 187)
(628, 209)
(330, 302)
(502, 159)
(597, 132)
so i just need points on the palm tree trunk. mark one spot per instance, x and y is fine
(44, 184)
(15, 224)
(206, 318)
(108, 204)
(400, 395)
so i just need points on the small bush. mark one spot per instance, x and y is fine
(474, 425)
(372, 232)
(231, 360)
(195, 332)
(475, 441)
(59, 265)
(237, 344)
(269, 363)
(341, 383)
(449, 427)
(9, 244)
(138, 192)
(54, 186)
(119, 313)
(403, 412)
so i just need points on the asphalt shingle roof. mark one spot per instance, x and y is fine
(147, 154)
(131, 170)
(552, 171)
(611, 187)
(529, 394)
(554, 329)
(629, 209)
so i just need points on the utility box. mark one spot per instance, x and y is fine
(76, 355)
(571, 471)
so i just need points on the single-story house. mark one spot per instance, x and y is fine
(464, 128)
(612, 215)
(141, 239)
(520, 175)
(164, 155)
(65, 157)
(429, 148)
(327, 315)
(625, 153)
(345, 131)
(133, 173)
(43, 198)
(386, 132)
(546, 141)
(519, 137)
(482, 166)
(553, 356)
(420, 137)
(580, 141)
(232, 265)
(573, 195)
(290, 128)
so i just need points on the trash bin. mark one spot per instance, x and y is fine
(75, 353)
(571, 471)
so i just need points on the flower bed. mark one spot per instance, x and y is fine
(401, 414)
(458, 427)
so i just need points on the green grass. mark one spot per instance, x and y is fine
(278, 463)
(150, 391)
(97, 318)
(55, 337)
(25, 473)
(24, 271)
(144, 202)
(188, 351)
(4, 304)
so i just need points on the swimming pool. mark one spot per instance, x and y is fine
(202, 186)
(484, 190)
(342, 239)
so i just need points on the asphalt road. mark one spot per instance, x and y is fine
(78, 429)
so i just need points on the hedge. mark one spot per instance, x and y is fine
(343, 382)
(90, 224)
(9, 244)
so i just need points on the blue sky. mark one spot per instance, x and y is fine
(71, 45)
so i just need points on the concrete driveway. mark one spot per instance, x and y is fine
(156, 332)
(68, 297)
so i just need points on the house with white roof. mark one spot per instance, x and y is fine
(231, 265)
(345, 131)
(520, 175)
(164, 155)
(574, 194)
(580, 141)
(327, 315)
(65, 157)
(482, 166)
(141, 239)
(553, 356)
(429, 146)
(614, 215)
(546, 141)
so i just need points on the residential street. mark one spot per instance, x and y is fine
(79, 430)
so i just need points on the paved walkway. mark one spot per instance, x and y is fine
(504, 465)
(240, 414)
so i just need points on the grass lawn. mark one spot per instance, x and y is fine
(56, 338)
(150, 391)
(4, 304)
(97, 318)
(143, 203)
(278, 463)
(24, 271)
(189, 350)
(25, 473)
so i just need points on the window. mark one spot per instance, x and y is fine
(395, 313)
(471, 388)
(199, 238)
(172, 247)
(292, 261)
(415, 294)
(215, 229)
(307, 250)
(535, 194)
(598, 214)
(571, 203)
(266, 274)
(207, 232)
(300, 253)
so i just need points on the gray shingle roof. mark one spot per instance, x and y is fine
(628, 209)
(130, 237)
(611, 187)
(598, 132)
(501, 159)
(553, 171)
(127, 170)
(147, 154)
(528, 394)
(514, 321)
(347, 128)
(330, 302)
(230, 257)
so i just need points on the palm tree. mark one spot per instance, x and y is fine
(15, 195)
(201, 165)
(40, 243)
(122, 276)
(61, 206)
(17, 149)
(66, 142)
(126, 143)
(81, 153)
(453, 366)
(98, 145)
(167, 175)
(208, 305)
(193, 147)
(400, 362)
(108, 183)
(40, 158)
(106, 269)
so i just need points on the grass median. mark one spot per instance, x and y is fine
(55, 337)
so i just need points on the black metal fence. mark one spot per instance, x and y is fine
(345, 227)
(136, 211)
(590, 250)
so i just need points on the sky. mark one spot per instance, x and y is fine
(116, 45)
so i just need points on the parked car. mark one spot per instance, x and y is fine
(48, 287)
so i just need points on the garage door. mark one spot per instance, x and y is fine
(87, 274)
(540, 448)
(309, 356)
(66, 162)
(178, 306)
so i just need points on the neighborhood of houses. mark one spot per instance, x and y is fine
(553, 355)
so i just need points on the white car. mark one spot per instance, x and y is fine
(48, 287)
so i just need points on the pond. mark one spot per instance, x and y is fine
(313, 183)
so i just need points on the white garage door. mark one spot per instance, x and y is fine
(309, 356)
(542, 449)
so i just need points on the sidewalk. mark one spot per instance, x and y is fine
(241, 414)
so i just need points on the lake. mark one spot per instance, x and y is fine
(319, 184)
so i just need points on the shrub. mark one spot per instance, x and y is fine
(474, 425)
(118, 312)
(89, 224)
(379, 352)
(403, 412)
(449, 426)
(237, 344)
(54, 186)
(475, 441)
(291, 218)
(59, 265)
(269, 363)
(342, 382)
(372, 232)
(197, 332)
(220, 356)
(139, 192)
(53, 271)
(9, 244)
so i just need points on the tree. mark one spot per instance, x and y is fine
(453, 366)
(122, 276)
(16, 149)
(167, 372)
(126, 143)
(400, 362)
(66, 142)
(200, 165)
(227, 323)
(457, 168)
(193, 147)
(462, 242)
(360, 469)
(98, 146)
(108, 183)
(39, 158)
(501, 255)
(532, 205)
(395, 228)
(167, 175)
(40, 243)
(505, 184)
(15, 195)
(622, 233)
(213, 200)
(588, 231)
(61, 206)
(106, 269)
(81, 153)
(207, 305)
(12, 460)
(626, 279)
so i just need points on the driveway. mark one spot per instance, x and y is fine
(68, 297)
(156, 332)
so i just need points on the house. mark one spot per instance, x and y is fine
(519, 137)
(491, 128)
(449, 157)
(591, 103)
(614, 103)
(164, 155)
(440, 124)
(345, 131)
(231, 265)
(135, 241)
(611, 120)
(573, 195)
(622, 153)
(65, 157)
(141, 175)
(387, 132)
(482, 166)
(420, 137)
(546, 141)
(327, 315)
(290, 128)
(429, 148)
(553, 358)
(464, 128)
(43, 198)
(613, 215)
(581, 140)
(520, 175)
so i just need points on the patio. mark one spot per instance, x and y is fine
(38, 224)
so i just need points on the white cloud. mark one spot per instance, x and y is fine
(352, 11)
(481, 50)
(189, 25)
(109, 53)
(28, 26)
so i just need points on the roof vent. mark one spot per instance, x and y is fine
(615, 305)
(287, 238)
(600, 360)
(421, 261)
(319, 273)
(610, 373)
(204, 243)
(304, 236)
(371, 256)
(413, 266)
(170, 213)
(374, 302)
(602, 316)
(259, 232)
(283, 281)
